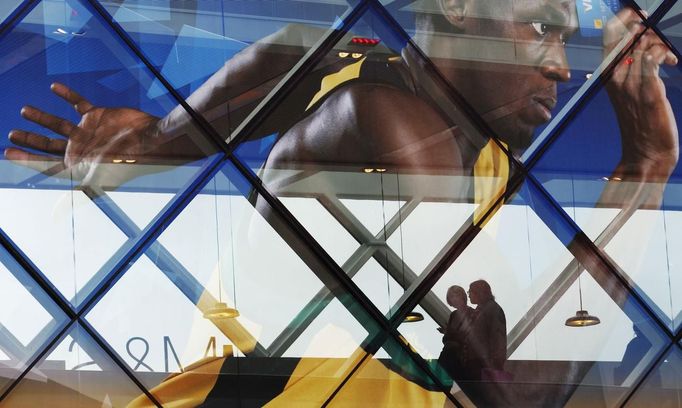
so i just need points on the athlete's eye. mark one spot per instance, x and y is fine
(540, 28)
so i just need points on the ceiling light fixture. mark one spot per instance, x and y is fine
(582, 318)
(413, 317)
(221, 311)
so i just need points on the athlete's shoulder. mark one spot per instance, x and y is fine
(366, 122)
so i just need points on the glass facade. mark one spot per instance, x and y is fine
(340, 203)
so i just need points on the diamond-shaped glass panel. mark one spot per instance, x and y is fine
(623, 191)
(514, 288)
(520, 65)
(28, 321)
(163, 316)
(76, 373)
(56, 174)
(322, 225)
(228, 55)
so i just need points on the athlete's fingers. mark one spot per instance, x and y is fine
(54, 123)
(79, 103)
(38, 142)
(44, 164)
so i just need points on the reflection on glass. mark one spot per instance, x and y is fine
(386, 159)
(209, 49)
(76, 373)
(80, 125)
(619, 196)
(28, 320)
(378, 180)
(160, 310)
(663, 387)
(497, 316)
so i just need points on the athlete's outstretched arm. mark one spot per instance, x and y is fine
(105, 134)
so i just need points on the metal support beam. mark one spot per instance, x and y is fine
(178, 275)
(386, 257)
(317, 304)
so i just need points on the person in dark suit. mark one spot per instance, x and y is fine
(454, 358)
(488, 333)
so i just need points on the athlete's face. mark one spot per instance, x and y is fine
(513, 84)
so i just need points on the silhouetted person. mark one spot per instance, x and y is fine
(456, 349)
(488, 333)
(634, 352)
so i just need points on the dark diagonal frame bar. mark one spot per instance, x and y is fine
(179, 276)
(326, 269)
(42, 353)
(609, 68)
(564, 281)
(647, 373)
(388, 259)
(16, 16)
(70, 313)
(480, 125)
(618, 286)
(443, 260)
(322, 298)
(170, 213)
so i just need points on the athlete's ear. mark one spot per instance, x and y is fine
(455, 11)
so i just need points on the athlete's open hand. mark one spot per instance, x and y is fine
(90, 149)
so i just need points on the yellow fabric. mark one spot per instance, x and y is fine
(314, 379)
(185, 390)
(376, 385)
(491, 174)
(331, 81)
(311, 384)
